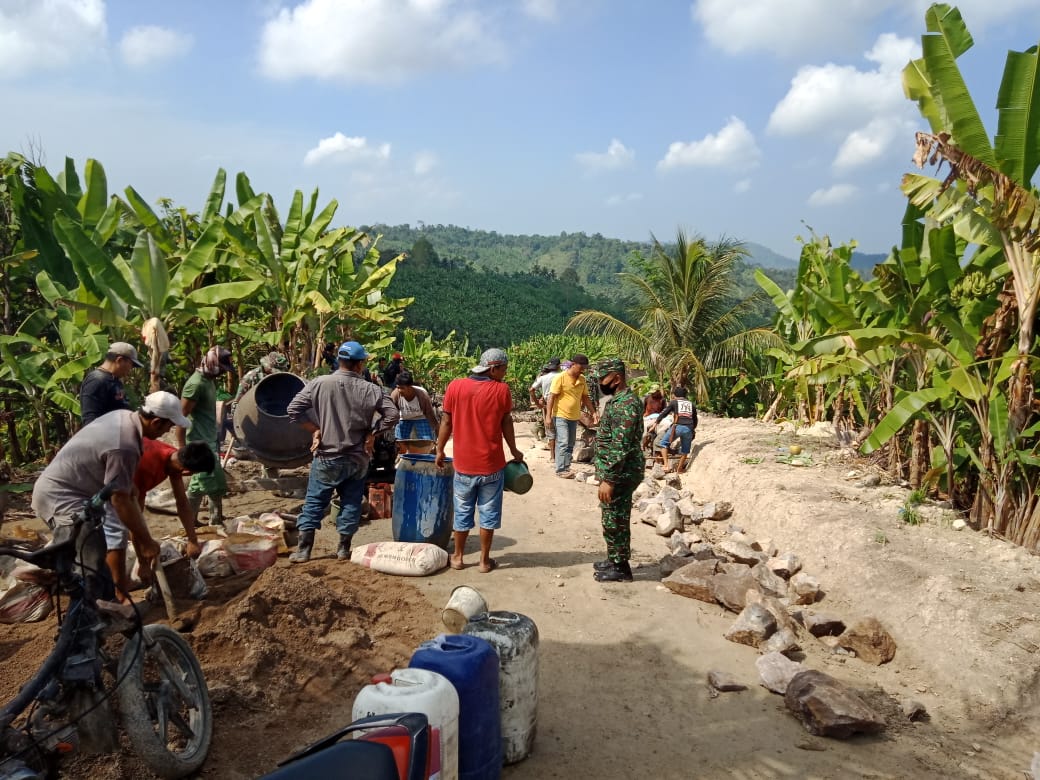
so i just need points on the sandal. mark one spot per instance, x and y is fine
(565, 474)
(492, 565)
(456, 566)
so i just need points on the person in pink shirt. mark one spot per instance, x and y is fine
(477, 413)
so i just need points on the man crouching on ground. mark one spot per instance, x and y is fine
(477, 412)
(619, 467)
(338, 410)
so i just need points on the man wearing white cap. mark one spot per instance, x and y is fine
(102, 389)
(477, 412)
(106, 451)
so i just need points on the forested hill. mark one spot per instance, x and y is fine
(592, 261)
(490, 308)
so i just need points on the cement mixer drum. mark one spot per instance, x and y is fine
(262, 424)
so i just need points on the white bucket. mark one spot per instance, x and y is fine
(465, 602)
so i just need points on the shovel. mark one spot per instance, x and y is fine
(179, 624)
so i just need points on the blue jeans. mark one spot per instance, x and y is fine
(481, 493)
(344, 476)
(566, 430)
(685, 434)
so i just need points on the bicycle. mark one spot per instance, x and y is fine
(156, 679)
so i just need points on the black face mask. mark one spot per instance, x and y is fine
(607, 389)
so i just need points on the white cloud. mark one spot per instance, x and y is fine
(832, 196)
(425, 162)
(616, 156)
(744, 185)
(785, 28)
(35, 35)
(147, 45)
(732, 147)
(829, 98)
(865, 145)
(376, 42)
(620, 200)
(340, 148)
(543, 10)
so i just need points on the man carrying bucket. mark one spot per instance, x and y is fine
(338, 410)
(477, 412)
(619, 467)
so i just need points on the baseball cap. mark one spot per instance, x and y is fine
(167, 406)
(553, 362)
(405, 378)
(352, 350)
(490, 358)
(397, 356)
(122, 349)
(607, 366)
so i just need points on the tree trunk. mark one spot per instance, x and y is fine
(920, 453)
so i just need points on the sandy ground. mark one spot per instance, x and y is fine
(622, 689)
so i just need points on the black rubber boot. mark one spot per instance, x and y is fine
(618, 572)
(343, 551)
(603, 565)
(303, 549)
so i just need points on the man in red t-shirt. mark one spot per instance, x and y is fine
(477, 412)
(160, 461)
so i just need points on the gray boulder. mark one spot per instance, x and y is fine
(752, 627)
(776, 671)
(828, 708)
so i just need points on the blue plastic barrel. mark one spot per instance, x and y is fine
(471, 665)
(423, 504)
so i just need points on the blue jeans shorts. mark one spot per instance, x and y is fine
(685, 434)
(480, 493)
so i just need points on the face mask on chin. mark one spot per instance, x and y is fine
(607, 389)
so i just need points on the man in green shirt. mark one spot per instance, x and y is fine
(199, 405)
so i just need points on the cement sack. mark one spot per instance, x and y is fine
(249, 552)
(408, 559)
(213, 561)
(21, 601)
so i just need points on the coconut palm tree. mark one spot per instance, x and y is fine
(689, 321)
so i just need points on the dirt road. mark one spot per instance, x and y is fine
(623, 666)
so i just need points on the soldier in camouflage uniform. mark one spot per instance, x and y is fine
(619, 467)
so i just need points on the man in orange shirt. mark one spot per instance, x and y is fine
(160, 461)
(477, 410)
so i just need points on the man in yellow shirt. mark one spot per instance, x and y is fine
(568, 395)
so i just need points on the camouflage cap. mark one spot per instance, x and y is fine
(606, 366)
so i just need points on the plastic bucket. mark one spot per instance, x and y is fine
(418, 690)
(515, 639)
(423, 503)
(471, 665)
(465, 602)
(518, 477)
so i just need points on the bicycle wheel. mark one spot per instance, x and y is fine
(164, 702)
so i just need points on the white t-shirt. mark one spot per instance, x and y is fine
(411, 410)
(544, 382)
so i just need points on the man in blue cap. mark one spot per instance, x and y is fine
(338, 409)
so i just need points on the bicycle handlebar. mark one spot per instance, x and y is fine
(92, 506)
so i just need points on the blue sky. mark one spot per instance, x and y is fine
(621, 117)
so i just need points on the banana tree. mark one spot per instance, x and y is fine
(312, 279)
(988, 199)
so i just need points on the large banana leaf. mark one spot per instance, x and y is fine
(1018, 122)
(904, 410)
(95, 269)
(215, 198)
(94, 201)
(224, 293)
(937, 85)
(149, 276)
